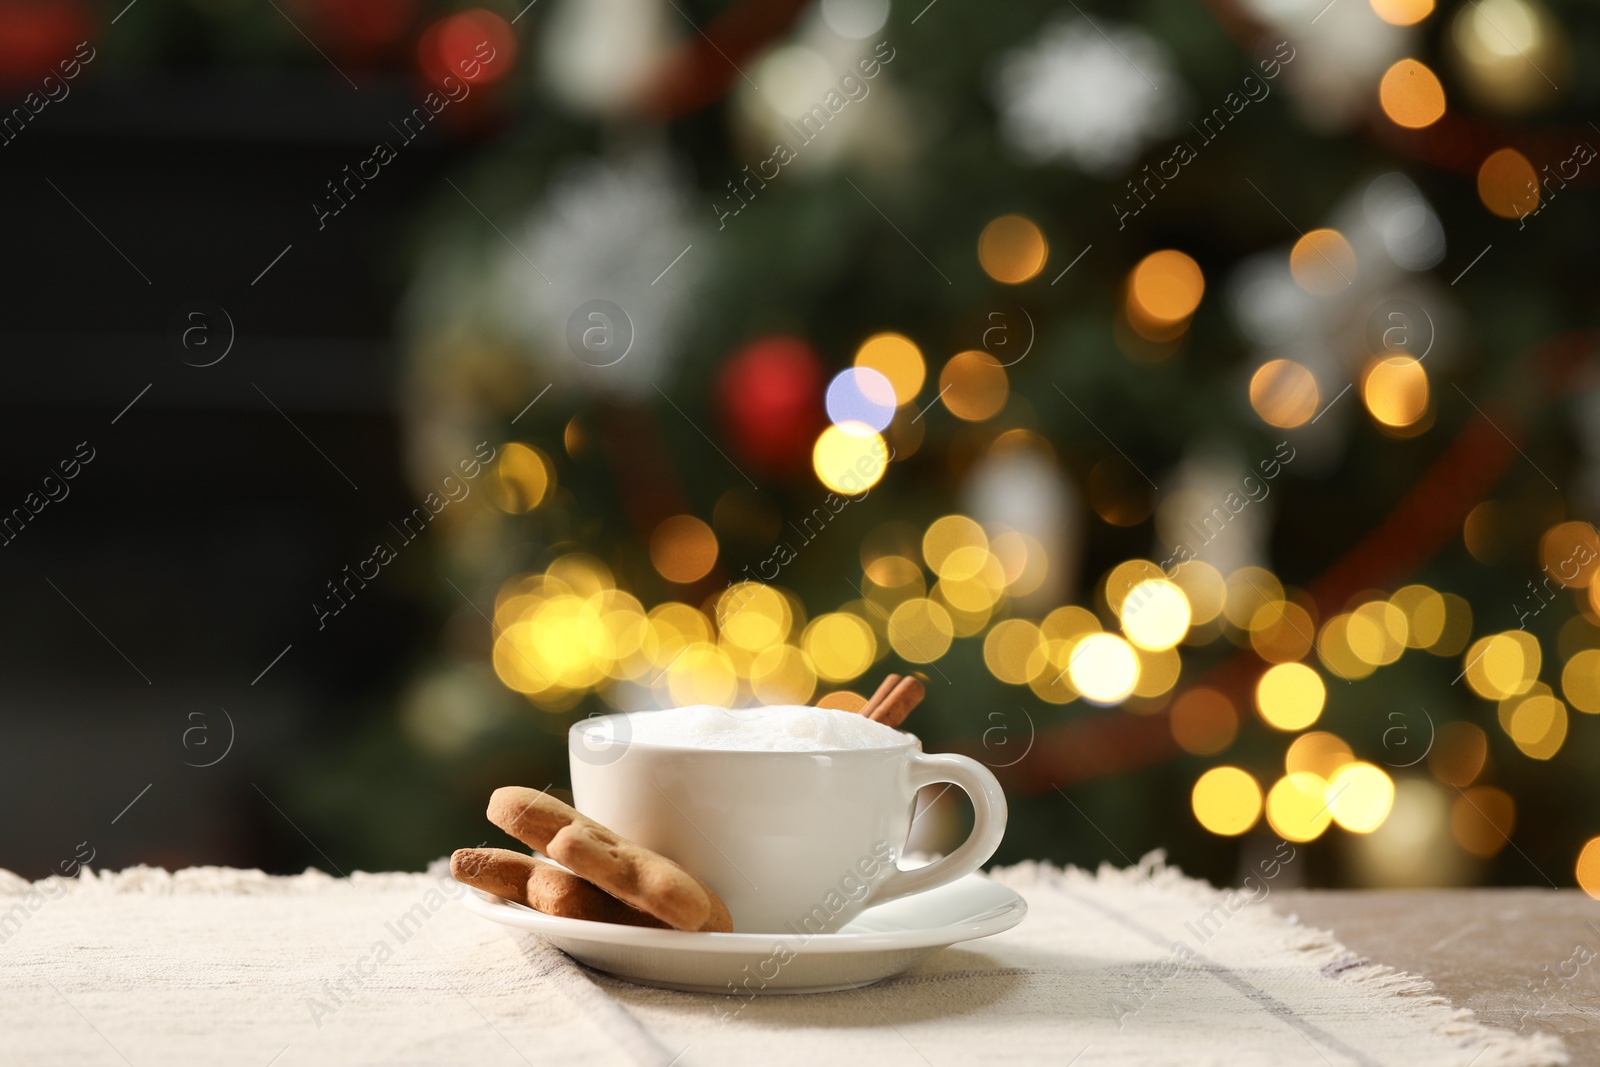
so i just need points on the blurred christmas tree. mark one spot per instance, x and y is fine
(1194, 394)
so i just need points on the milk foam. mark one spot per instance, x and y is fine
(779, 728)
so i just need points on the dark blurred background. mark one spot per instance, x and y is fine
(1331, 325)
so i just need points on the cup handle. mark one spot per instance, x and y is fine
(988, 824)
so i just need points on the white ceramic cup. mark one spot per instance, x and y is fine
(796, 842)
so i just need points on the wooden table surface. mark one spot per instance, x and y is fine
(1519, 958)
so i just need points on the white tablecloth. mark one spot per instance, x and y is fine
(1141, 966)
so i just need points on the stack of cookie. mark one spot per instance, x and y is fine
(606, 878)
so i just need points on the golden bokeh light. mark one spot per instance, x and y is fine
(1481, 820)
(1012, 249)
(753, 616)
(1333, 649)
(1165, 287)
(1580, 681)
(1402, 12)
(1203, 721)
(1395, 390)
(1121, 580)
(850, 458)
(703, 674)
(1013, 650)
(1322, 262)
(1204, 587)
(1424, 613)
(1457, 626)
(522, 478)
(841, 646)
(898, 359)
(1507, 184)
(1284, 393)
(920, 630)
(1569, 552)
(1297, 807)
(842, 700)
(782, 674)
(1459, 752)
(1538, 725)
(973, 386)
(1377, 633)
(1587, 869)
(1360, 797)
(1317, 752)
(1249, 590)
(1226, 801)
(1503, 665)
(1104, 668)
(1290, 696)
(947, 535)
(683, 549)
(1158, 671)
(1411, 95)
(1155, 614)
(1282, 631)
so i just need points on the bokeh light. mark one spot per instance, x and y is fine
(1569, 553)
(1507, 184)
(522, 478)
(1537, 725)
(1104, 668)
(920, 630)
(1155, 614)
(1284, 393)
(1481, 820)
(1503, 665)
(898, 359)
(1411, 95)
(1282, 631)
(1402, 12)
(1323, 263)
(1580, 681)
(1395, 390)
(1158, 672)
(1166, 287)
(860, 396)
(1424, 612)
(1360, 797)
(1458, 754)
(1297, 806)
(850, 459)
(1203, 721)
(1226, 801)
(1012, 249)
(1204, 588)
(683, 549)
(451, 48)
(782, 674)
(753, 616)
(1317, 752)
(841, 646)
(1249, 590)
(1290, 696)
(1013, 650)
(1587, 869)
(973, 386)
(948, 535)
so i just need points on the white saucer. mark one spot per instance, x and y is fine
(881, 942)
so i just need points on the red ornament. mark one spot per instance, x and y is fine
(769, 395)
(477, 47)
(36, 36)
